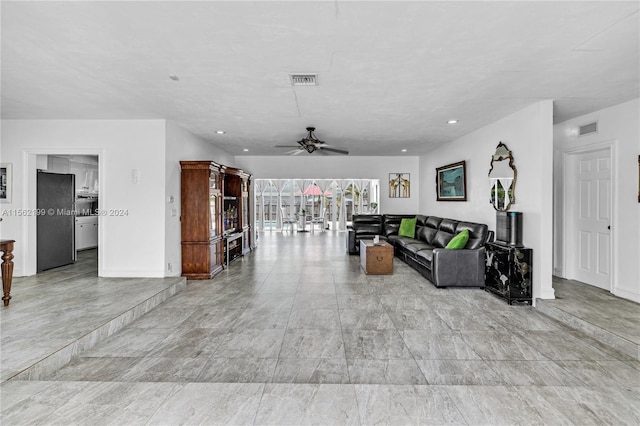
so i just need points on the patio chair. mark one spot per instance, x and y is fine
(287, 219)
(319, 220)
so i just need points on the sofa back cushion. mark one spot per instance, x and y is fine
(478, 233)
(368, 229)
(426, 234)
(367, 218)
(369, 224)
(442, 238)
(433, 222)
(448, 225)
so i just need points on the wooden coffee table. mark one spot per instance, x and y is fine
(376, 259)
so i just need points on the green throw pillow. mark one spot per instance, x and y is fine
(459, 241)
(407, 228)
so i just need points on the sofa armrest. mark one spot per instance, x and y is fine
(351, 241)
(458, 268)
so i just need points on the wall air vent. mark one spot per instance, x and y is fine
(304, 79)
(588, 129)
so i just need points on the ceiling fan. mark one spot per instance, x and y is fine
(311, 144)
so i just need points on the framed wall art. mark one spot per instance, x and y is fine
(6, 176)
(451, 182)
(399, 185)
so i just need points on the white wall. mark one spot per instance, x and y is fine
(135, 243)
(528, 134)
(619, 125)
(182, 145)
(347, 167)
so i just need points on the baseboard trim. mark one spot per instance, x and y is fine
(626, 294)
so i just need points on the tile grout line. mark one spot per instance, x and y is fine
(344, 345)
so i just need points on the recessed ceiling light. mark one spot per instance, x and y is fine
(220, 132)
(174, 77)
(404, 150)
(452, 122)
(246, 149)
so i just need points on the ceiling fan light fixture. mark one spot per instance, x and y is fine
(309, 142)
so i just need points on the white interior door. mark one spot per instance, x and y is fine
(592, 218)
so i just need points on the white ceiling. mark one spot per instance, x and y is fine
(390, 73)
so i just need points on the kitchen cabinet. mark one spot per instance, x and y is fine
(57, 164)
(86, 232)
(86, 177)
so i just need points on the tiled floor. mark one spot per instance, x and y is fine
(597, 313)
(59, 312)
(295, 333)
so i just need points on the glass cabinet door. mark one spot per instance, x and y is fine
(215, 205)
(245, 210)
(213, 214)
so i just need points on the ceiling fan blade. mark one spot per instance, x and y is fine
(286, 146)
(298, 151)
(339, 151)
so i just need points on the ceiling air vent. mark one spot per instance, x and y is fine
(304, 79)
(588, 128)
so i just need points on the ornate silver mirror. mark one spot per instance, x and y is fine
(502, 176)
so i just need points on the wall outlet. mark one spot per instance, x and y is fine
(169, 267)
(170, 199)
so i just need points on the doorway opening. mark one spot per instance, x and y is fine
(68, 193)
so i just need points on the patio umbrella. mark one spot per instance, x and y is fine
(313, 190)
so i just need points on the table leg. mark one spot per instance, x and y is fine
(7, 273)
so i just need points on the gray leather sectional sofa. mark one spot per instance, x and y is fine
(426, 252)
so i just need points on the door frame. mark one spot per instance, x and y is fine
(30, 194)
(569, 261)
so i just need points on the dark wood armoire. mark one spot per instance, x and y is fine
(215, 217)
(201, 218)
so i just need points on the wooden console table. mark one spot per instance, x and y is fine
(6, 247)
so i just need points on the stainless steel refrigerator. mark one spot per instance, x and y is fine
(56, 220)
